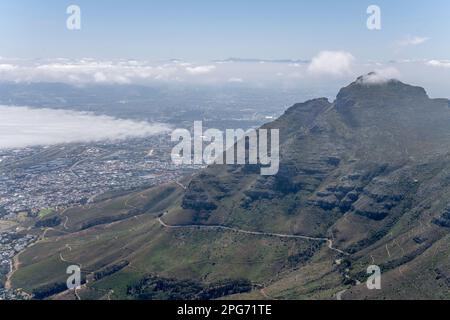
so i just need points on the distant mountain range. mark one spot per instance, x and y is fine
(256, 60)
(363, 180)
(179, 104)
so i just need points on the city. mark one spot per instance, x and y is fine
(37, 181)
(62, 176)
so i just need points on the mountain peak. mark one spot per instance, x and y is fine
(373, 78)
(376, 86)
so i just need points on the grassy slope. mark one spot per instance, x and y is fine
(205, 255)
(213, 255)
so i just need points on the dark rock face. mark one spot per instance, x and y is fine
(381, 195)
(196, 198)
(371, 210)
(284, 182)
(328, 202)
(444, 219)
(341, 195)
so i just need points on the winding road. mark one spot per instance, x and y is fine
(14, 265)
(255, 233)
(181, 185)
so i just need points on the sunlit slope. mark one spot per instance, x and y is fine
(150, 248)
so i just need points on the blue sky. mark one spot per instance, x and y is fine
(330, 36)
(204, 30)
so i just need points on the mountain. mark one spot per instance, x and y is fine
(256, 60)
(363, 180)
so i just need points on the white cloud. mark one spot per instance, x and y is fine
(439, 63)
(22, 127)
(413, 41)
(200, 69)
(87, 71)
(236, 80)
(331, 63)
(100, 77)
(332, 69)
(7, 67)
(380, 76)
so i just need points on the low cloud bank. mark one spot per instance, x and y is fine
(413, 41)
(439, 63)
(24, 127)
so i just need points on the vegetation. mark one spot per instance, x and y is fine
(110, 270)
(48, 223)
(156, 288)
(45, 212)
(49, 290)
